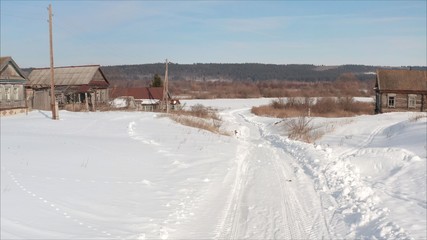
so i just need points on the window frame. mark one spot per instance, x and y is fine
(391, 98)
(412, 100)
(7, 93)
(2, 92)
(15, 93)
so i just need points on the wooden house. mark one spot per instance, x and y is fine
(12, 87)
(400, 90)
(76, 88)
(145, 98)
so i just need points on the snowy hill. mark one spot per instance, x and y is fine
(133, 175)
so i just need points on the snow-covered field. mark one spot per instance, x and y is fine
(135, 175)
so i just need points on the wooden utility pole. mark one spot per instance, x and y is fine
(53, 105)
(165, 101)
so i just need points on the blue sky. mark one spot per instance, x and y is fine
(385, 33)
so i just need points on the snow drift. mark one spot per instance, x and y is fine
(133, 175)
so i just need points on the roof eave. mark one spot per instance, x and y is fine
(9, 59)
(423, 92)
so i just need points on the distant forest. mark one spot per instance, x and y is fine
(250, 80)
(141, 74)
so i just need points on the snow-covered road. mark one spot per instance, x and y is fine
(268, 201)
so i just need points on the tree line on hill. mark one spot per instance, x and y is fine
(247, 80)
(141, 74)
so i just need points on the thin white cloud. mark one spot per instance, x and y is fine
(379, 20)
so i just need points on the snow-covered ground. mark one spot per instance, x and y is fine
(134, 175)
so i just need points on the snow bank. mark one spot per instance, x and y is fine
(119, 175)
(354, 204)
(374, 167)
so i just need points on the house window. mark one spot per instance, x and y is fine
(15, 93)
(101, 96)
(1, 93)
(391, 101)
(7, 93)
(412, 100)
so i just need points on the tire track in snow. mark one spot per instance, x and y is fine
(304, 220)
(381, 186)
(365, 142)
(306, 216)
(287, 207)
(228, 228)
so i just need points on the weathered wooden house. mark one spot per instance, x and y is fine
(76, 88)
(145, 98)
(12, 87)
(400, 90)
